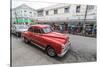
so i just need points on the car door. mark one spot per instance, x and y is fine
(36, 37)
(30, 33)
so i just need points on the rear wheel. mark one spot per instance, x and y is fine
(50, 51)
(25, 40)
(18, 34)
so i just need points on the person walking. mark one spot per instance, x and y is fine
(61, 29)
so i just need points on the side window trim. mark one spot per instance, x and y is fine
(37, 31)
(34, 30)
(30, 29)
(41, 30)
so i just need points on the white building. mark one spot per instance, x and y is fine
(60, 13)
(66, 13)
(23, 13)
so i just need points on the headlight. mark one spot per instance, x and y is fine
(63, 46)
(68, 39)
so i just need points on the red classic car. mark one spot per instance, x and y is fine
(43, 36)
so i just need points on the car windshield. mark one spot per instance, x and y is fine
(47, 30)
(22, 27)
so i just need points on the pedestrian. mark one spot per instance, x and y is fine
(61, 29)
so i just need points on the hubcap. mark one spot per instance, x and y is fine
(17, 34)
(25, 40)
(51, 52)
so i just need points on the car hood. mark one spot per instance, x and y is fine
(21, 30)
(57, 37)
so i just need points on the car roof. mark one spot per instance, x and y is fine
(39, 26)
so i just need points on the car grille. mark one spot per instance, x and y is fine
(67, 45)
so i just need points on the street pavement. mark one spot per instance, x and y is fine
(83, 49)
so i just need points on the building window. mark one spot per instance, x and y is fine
(16, 14)
(78, 9)
(40, 13)
(46, 12)
(21, 11)
(55, 11)
(24, 10)
(90, 7)
(34, 13)
(30, 12)
(66, 10)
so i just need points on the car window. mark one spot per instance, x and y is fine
(47, 29)
(30, 29)
(22, 27)
(13, 27)
(36, 30)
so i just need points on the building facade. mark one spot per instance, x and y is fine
(67, 13)
(59, 13)
(23, 14)
(74, 18)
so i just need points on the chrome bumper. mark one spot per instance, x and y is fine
(65, 50)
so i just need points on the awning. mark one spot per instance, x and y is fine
(23, 20)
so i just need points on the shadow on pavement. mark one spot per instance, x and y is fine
(70, 57)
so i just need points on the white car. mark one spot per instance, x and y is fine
(18, 29)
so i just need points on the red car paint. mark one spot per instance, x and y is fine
(56, 40)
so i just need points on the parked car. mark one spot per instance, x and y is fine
(18, 29)
(54, 43)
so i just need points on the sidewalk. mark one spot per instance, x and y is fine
(79, 34)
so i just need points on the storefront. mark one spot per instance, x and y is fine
(24, 21)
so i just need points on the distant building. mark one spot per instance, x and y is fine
(23, 14)
(67, 13)
(60, 14)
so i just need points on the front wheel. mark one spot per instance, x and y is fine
(51, 52)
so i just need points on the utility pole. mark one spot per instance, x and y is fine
(85, 13)
(85, 16)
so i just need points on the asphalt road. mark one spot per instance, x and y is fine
(83, 49)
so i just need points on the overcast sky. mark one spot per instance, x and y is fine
(36, 4)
